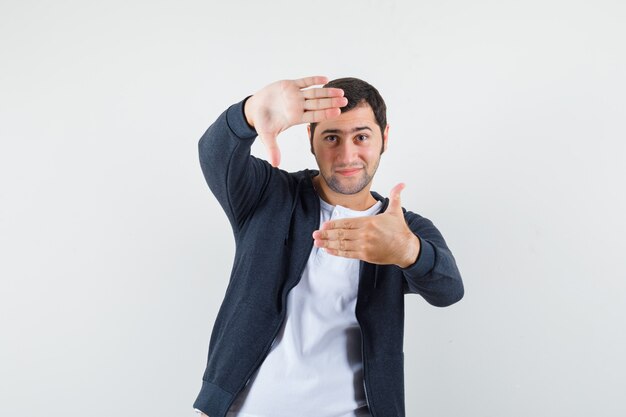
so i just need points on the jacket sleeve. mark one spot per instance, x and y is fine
(434, 275)
(236, 178)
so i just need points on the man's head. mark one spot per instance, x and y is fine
(348, 148)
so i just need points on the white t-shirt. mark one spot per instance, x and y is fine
(314, 368)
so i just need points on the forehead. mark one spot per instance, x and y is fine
(360, 116)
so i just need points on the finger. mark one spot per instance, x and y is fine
(344, 253)
(271, 146)
(310, 81)
(344, 245)
(322, 92)
(336, 234)
(325, 103)
(353, 223)
(315, 116)
(395, 205)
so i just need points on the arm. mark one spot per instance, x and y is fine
(233, 175)
(238, 179)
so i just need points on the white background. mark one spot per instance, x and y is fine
(507, 125)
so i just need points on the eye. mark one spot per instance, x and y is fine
(361, 138)
(331, 138)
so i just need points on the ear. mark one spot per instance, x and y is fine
(385, 137)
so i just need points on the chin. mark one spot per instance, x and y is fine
(344, 188)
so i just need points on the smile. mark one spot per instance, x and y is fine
(349, 171)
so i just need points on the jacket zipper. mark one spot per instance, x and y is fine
(367, 401)
(363, 359)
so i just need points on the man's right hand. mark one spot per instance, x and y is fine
(286, 103)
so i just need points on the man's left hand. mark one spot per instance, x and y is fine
(384, 239)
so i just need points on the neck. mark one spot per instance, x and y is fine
(360, 201)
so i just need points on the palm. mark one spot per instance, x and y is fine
(286, 103)
(285, 107)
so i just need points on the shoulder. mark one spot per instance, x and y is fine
(283, 185)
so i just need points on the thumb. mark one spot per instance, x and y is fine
(395, 206)
(271, 147)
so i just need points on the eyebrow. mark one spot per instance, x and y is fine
(356, 129)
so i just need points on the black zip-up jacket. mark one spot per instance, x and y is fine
(273, 214)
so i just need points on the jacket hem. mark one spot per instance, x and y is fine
(236, 120)
(425, 260)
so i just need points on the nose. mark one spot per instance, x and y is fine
(347, 153)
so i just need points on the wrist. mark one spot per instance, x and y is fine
(412, 252)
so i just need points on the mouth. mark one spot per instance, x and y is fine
(348, 172)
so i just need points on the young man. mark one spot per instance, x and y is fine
(312, 320)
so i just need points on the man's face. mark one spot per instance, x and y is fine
(348, 148)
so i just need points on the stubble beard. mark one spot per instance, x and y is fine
(335, 184)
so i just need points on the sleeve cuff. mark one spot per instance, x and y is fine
(237, 122)
(425, 260)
